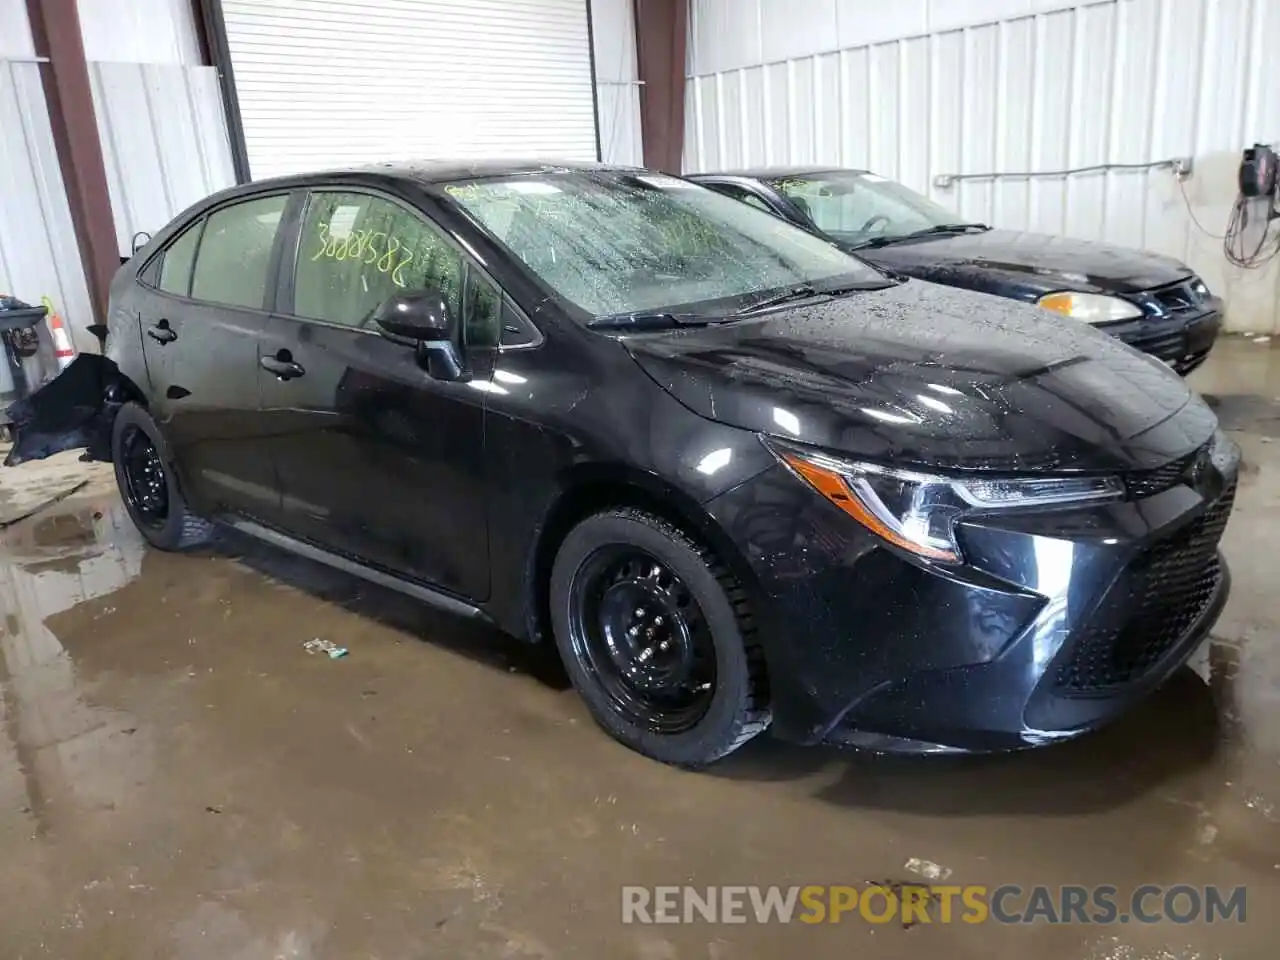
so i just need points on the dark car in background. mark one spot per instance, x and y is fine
(738, 477)
(1149, 301)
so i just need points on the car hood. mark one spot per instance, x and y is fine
(933, 376)
(1027, 265)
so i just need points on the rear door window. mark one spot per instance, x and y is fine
(177, 260)
(234, 259)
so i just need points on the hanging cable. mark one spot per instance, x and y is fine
(1233, 244)
(1259, 188)
(1181, 181)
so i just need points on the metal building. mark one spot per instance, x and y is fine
(961, 100)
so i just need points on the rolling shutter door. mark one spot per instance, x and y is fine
(325, 84)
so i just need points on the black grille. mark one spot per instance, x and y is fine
(1187, 295)
(1162, 596)
(1148, 483)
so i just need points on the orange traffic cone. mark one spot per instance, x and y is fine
(62, 347)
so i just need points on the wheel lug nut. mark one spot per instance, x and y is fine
(657, 621)
(639, 612)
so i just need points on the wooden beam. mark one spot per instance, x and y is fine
(55, 27)
(661, 39)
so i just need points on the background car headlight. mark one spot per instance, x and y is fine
(1089, 307)
(917, 511)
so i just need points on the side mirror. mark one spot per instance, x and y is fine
(425, 319)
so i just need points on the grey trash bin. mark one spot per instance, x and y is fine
(30, 358)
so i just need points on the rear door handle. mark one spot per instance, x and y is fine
(162, 333)
(282, 366)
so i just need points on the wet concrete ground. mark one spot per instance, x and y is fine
(179, 778)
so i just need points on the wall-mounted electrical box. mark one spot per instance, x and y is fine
(1258, 171)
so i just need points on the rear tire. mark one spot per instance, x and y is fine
(149, 487)
(658, 639)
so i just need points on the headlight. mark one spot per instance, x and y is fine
(918, 511)
(1089, 307)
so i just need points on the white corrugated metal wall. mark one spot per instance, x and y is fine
(618, 89)
(919, 88)
(39, 256)
(324, 83)
(164, 138)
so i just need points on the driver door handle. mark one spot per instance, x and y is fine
(282, 365)
(162, 333)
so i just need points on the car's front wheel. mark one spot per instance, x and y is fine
(657, 637)
(148, 485)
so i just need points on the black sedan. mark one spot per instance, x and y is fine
(1149, 301)
(736, 476)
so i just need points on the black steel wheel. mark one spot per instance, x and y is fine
(146, 488)
(634, 624)
(658, 638)
(148, 485)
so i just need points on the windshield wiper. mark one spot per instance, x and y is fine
(806, 291)
(891, 280)
(667, 319)
(939, 230)
(803, 291)
(650, 320)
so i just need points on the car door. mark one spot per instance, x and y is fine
(201, 317)
(377, 459)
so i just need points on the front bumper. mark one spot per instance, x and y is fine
(1057, 622)
(74, 409)
(1183, 341)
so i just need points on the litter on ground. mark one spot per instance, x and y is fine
(325, 646)
(928, 869)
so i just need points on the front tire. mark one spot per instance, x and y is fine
(148, 485)
(658, 638)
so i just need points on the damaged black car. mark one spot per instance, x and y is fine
(738, 477)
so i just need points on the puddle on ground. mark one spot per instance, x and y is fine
(59, 743)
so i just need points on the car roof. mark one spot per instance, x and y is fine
(431, 171)
(443, 171)
(774, 173)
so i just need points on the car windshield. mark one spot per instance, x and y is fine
(856, 207)
(625, 242)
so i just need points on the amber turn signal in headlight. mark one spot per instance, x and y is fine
(1090, 307)
(917, 511)
(857, 497)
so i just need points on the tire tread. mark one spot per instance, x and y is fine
(196, 531)
(754, 715)
(193, 531)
